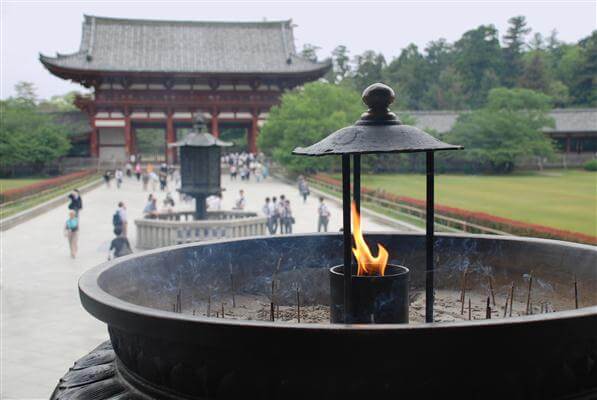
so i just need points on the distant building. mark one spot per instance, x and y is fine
(148, 73)
(575, 128)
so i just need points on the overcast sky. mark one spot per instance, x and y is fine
(28, 27)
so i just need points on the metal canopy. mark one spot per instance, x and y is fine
(203, 139)
(198, 138)
(378, 131)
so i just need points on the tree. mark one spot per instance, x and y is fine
(408, 73)
(305, 117)
(65, 102)
(584, 86)
(514, 41)
(26, 92)
(341, 63)
(448, 92)
(309, 52)
(509, 127)
(368, 69)
(537, 42)
(478, 61)
(28, 136)
(534, 75)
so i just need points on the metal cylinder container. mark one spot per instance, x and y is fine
(374, 299)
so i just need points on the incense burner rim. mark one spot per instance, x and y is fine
(115, 311)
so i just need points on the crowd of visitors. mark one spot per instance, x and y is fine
(277, 209)
(246, 165)
(279, 214)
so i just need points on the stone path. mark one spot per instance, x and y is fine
(44, 328)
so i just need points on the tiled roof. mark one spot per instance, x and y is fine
(566, 120)
(111, 44)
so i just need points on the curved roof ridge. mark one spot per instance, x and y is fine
(120, 45)
(88, 19)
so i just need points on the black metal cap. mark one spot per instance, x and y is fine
(377, 131)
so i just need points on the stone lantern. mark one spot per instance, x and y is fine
(200, 170)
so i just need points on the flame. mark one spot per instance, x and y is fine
(367, 264)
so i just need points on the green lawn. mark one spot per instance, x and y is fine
(565, 199)
(32, 201)
(7, 184)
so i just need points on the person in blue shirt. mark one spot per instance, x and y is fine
(71, 231)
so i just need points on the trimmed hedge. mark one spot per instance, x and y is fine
(480, 218)
(590, 165)
(52, 183)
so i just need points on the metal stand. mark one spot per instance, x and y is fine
(200, 207)
(356, 181)
(429, 242)
(346, 237)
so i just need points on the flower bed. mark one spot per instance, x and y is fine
(52, 183)
(480, 218)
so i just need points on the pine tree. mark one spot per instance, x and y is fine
(514, 41)
(535, 76)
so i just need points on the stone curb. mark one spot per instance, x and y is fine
(33, 212)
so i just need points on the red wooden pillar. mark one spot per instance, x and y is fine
(253, 133)
(128, 137)
(170, 138)
(568, 143)
(133, 140)
(215, 129)
(93, 139)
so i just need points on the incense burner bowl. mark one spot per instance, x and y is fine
(155, 353)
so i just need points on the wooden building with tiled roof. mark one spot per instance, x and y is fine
(152, 73)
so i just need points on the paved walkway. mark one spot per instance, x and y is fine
(44, 328)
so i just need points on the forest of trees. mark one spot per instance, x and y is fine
(459, 75)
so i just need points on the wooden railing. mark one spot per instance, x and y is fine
(179, 227)
(452, 224)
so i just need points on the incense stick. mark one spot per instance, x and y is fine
(298, 304)
(529, 293)
(209, 305)
(511, 298)
(232, 289)
(463, 291)
(491, 290)
(506, 305)
(575, 292)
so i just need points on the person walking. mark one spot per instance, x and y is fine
(76, 203)
(163, 177)
(274, 214)
(267, 211)
(153, 178)
(288, 218)
(145, 180)
(323, 216)
(241, 202)
(303, 188)
(71, 231)
(119, 176)
(107, 177)
(138, 171)
(280, 211)
(151, 209)
(129, 170)
(119, 246)
(120, 218)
